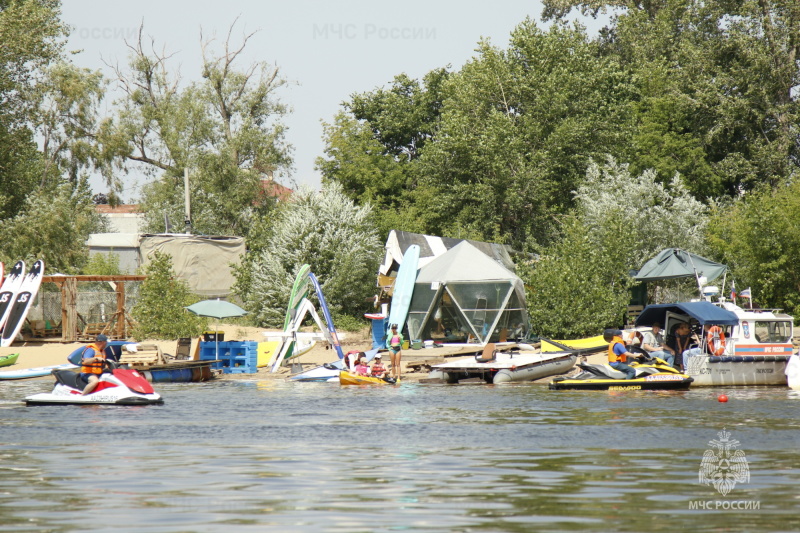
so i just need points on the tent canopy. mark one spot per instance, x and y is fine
(466, 293)
(703, 312)
(675, 263)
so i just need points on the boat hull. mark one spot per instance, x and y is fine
(651, 382)
(506, 368)
(63, 395)
(8, 360)
(711, 371)
(346, 378)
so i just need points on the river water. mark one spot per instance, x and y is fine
(249, 455)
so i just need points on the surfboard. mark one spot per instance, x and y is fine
(404, 288)
(326, 312)
(34, 372)
(9, 290)
(22, 303)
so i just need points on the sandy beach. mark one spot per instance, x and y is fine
(38, 353)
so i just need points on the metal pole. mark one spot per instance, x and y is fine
(188, 218)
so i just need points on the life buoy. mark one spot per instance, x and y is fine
(715, 340)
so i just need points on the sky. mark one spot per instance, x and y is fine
(326, 50)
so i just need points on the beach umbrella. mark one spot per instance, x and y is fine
(218, 309)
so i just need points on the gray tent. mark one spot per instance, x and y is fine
(466, 293)
(675, 263)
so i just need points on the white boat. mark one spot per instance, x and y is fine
(757, 343)
(505, 367)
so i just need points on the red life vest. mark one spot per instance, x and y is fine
(95, 367)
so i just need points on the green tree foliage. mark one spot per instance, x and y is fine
(757, 236)
(102, 265)
(53, 224)
(372, 149)
(580, 285)
(490, 152)
(717, 82)
(67, 100)
(226, 129)
(159, 313)
(31, 38)
(577, 287)
(326, 230)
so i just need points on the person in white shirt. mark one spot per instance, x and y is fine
(654, 343)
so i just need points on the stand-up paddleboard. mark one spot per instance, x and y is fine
(326, 312)
(37, 372)
(404, 288)
(22, 303)
(9, 290)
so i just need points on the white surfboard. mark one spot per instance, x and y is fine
(9, 290)
(22, 303)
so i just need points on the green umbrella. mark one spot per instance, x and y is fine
(218, 309)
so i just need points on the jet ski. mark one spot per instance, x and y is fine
(652, 373)
(120, 386)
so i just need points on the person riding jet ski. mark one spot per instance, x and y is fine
(618, 355)
(93, 361)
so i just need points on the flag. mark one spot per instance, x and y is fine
(746, 293)
(733, 291)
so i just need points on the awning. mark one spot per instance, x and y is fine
(703, 312)
(675, 263)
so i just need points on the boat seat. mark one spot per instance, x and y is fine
(603, 370)
(488, 355)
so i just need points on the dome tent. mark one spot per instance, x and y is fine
(465, 290)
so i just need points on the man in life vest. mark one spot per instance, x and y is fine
(92, 361)
(618, 355)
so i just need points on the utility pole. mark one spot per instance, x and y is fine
(188, 219)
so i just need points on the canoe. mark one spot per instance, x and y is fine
(346, 378)
(8, 360)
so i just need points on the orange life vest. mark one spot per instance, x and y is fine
(612, 357)
(715, 339)
(95, 367)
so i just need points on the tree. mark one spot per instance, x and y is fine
(373, 145)
(159, 313)
(53, 224)
(757, 237)
(580, 285)
(66, 119)
(32, 37)
(717, 82)
(324, 229)
(226, 130)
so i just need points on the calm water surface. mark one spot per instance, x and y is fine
(274, 456)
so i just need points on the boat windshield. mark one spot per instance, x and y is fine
(773, 331)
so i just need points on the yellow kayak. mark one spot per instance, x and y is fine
(578, 344)
(346, 378)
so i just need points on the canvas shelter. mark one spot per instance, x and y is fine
(465, 293)
(205, 261)
(675, 263)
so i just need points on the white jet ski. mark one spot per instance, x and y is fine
(119, 387)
